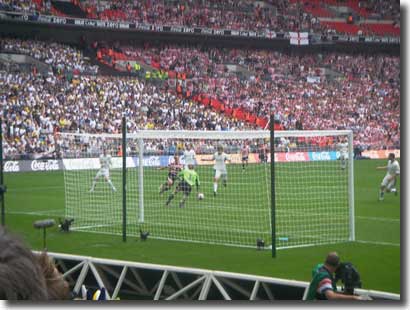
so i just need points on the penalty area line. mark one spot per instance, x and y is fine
(55, 212)
(34, 189)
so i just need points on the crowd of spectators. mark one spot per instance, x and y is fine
(20, 5)
(236, 15)
(59, 56)
(363, 95)
(278, 15)
(38, 107)
(386, 9)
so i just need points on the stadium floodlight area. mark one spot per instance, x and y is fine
(310, 201)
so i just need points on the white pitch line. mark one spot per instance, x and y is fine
(377, 243)
(45, 212)
(91, 226)
(33, 189)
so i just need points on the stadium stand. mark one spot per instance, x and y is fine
(21, 6)
(285, 15)
(382, 29)
(342, 27)
(230, 82)
(61, 57)
(318, 11)
(198, 87)
(237, 93)
(69, 8)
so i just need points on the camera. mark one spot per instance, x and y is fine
(144, 235)
(65, 224)
(349, 276)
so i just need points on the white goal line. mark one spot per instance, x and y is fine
(160, 224)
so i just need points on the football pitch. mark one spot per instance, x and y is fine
(375, 253)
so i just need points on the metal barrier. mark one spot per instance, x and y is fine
(141, 281)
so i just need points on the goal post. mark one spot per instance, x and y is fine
(318, 168)
(272, 178)
(124, 178)
(314, 202)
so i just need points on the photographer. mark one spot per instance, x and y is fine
(323, 284)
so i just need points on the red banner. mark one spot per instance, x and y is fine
(238, 113)
(205, 100)
(251, 118)
(217, 105)
(261, 122)
(228, 111)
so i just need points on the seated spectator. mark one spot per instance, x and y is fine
(61, 57)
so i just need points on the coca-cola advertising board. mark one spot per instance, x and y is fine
(157, 161)
(12, 166)
(32, 165)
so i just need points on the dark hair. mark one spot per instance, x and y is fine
(392, 155)
(21, 277)
(332, 259)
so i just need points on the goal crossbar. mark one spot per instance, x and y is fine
(216, 135)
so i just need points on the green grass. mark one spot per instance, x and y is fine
(237, 215)
(33, 196)
(309, 197)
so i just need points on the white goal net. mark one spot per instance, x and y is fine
(232, 204)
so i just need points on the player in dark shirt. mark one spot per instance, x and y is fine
(173, 170)
(263, 156)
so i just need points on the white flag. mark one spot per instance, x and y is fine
(299, 38)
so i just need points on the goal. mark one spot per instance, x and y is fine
(314, 187)
(310, 201)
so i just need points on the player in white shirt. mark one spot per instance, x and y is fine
(389, 181)
(105, 163)
(284, 144)
(343, 148)
(219, 167)
(189, 156)
(245, 156)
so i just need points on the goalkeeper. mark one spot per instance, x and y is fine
(188, 178)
